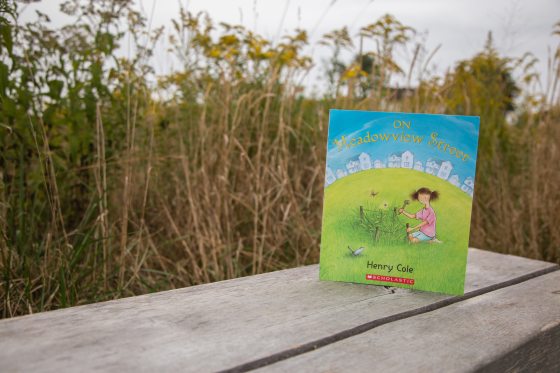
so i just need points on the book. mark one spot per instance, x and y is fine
(398, 198)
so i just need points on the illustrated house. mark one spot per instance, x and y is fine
(394, 161)
(432, 167)
(407, 159)
(444, 170)
(353, 167)
(365, 161)
(378, 164)
(340, 173)
(468, 186)
(329, 177)
(418, 166)
(455, 180)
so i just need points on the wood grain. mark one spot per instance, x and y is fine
(221, 325)
(516, 328)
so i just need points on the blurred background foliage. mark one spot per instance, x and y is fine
(116, 182)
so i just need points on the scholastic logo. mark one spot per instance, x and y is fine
(382, 278)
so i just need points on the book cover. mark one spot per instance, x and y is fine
(398, 199)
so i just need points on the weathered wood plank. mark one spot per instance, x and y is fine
(516, 328)
(220, 325)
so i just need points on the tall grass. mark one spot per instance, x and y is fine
(112, 185)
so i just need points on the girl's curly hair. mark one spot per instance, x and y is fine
(433, 194)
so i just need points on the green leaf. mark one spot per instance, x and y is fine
(4, 71)
(6, 38)
(55, 88)
(105, 42)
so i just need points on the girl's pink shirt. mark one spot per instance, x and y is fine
(428, 215)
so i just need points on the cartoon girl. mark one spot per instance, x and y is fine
(426, 230)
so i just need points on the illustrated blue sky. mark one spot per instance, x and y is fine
(458, 131)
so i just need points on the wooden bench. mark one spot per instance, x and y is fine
(508, 319)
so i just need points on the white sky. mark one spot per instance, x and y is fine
(460, 26)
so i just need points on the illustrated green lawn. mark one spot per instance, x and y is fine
(436, 267)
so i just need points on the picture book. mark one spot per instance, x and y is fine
(398, 199)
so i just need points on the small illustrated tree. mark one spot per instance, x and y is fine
(383, 223)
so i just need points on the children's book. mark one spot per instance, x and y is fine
(398, 198)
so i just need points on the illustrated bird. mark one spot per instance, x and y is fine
(356, 252)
